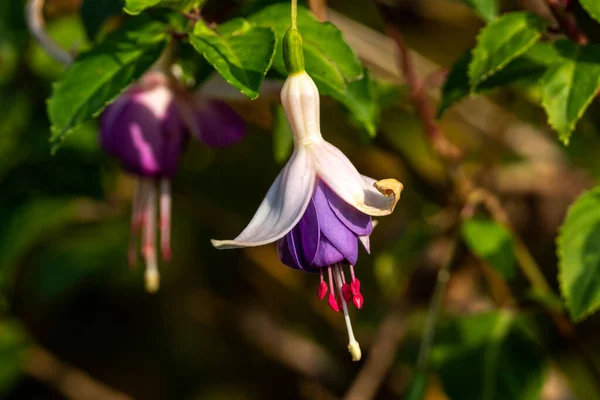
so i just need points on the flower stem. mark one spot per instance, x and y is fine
(294, 14)
(34, 13)
(443, 276)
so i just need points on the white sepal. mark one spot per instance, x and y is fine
(283, 206)
(334, 168)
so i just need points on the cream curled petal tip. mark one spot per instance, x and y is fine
(283, 206)
(390, 188)
(334, 168)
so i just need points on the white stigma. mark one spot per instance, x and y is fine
(353, 346)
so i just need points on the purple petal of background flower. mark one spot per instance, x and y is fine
(146, 143)
(218, 124)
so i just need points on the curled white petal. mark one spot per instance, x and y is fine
(283, 206)
(334, 168)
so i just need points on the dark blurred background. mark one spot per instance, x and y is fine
(238, 324)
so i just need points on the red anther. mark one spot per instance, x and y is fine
(358, 300)
(355, 286)
(346, 292)
(322, 291)
(332, 303)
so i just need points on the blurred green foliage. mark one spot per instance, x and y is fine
(239, 324)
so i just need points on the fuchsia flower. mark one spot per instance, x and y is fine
(319, 207)
(146, 129)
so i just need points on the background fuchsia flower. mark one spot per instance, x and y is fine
(147, 129)
(319, 207)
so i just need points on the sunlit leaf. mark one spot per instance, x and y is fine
(329, 60)
(101, 74)
(487, 9)
(501, 41)
(240, 52)
(570, 85)
(526, 69)
(579, 256)
(592, 7)
(491, 242)
(135, 7)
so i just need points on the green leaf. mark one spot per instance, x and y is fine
(283, 141)
(360, 101)
(328, 58)
(501, 41)
(100, 75)
(29, 224)
(13, 341)
(487, 9)
(527, 69)
(491, 356)
(135, 7)
(570, 85)
(491, 242)
(418, 386)
(579, 256)
(240, 52)
(592, 7)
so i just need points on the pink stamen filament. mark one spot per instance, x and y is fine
(322, 291)
(331, 300)
(165, 219)
(137, 220)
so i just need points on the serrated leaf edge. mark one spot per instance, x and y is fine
(57, 138)
(592, 14)
(565, 136)
(560, 254)
(244, 89)
(475, 83)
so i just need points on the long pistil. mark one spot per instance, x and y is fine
(353, 346)
(149, 238)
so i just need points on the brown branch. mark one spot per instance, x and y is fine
(566, 21)
(319, 8)
(419, 99)
(72, 382)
